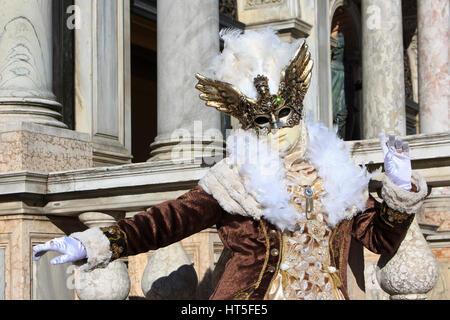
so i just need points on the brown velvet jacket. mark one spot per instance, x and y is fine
(254, 263)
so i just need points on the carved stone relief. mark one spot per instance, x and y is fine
(254, 4)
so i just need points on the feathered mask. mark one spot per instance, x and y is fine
(256, 81)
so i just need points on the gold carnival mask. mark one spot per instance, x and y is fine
(268, 111)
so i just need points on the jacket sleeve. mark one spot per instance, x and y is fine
(382, 226)
(160, 226)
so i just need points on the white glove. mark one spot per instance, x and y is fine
(71, 248)
(397, 163)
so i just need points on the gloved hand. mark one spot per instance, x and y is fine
(71, 248)
(397, 163)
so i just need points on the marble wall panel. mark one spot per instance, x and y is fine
(2, 274)
(102, 79)
(107, 101)
(52, 282)
(19, 233)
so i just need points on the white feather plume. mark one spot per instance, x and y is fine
(264, 173)
(345, 183)
(250, 54)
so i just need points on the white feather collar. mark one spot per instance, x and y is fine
(251, 181)
(345, 183)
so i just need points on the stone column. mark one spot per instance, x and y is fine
(32, 134)
(383, 73)
(110, 283)
(26, 63)
(188, 39)
(434, 65)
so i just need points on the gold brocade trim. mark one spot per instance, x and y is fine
(266, 261)
(277, 269)
(293, 85)
(305, 271)
(334, 276)
(118, 241)
(336, 280)
(394, 218)
(244, 294)
(330, 246)
(285, 278)
(336, 234)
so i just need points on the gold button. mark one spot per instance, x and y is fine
(273, 233)
(271, 269)
(274, 252)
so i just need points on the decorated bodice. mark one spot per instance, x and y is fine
(306, 193)
(305, 271)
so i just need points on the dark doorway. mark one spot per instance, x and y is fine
(143, 86)
(348, 17)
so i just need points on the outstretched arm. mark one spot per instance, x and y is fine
(157, 227)
(383, 226)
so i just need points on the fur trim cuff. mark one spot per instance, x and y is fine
(401, 200)
(97, 247)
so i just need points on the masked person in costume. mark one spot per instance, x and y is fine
(287, 199)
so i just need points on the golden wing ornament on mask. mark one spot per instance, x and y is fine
(226, 98)
(296, 77)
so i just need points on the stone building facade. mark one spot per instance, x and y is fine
(99, 119)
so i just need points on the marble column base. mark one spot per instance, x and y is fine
(187, 150)
(34, 147)
(35, 110)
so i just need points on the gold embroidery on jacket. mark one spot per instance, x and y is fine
(336, 251)
(277, 269)
(266, 260)
(117, 241)
(394, 218)
(244, 294)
